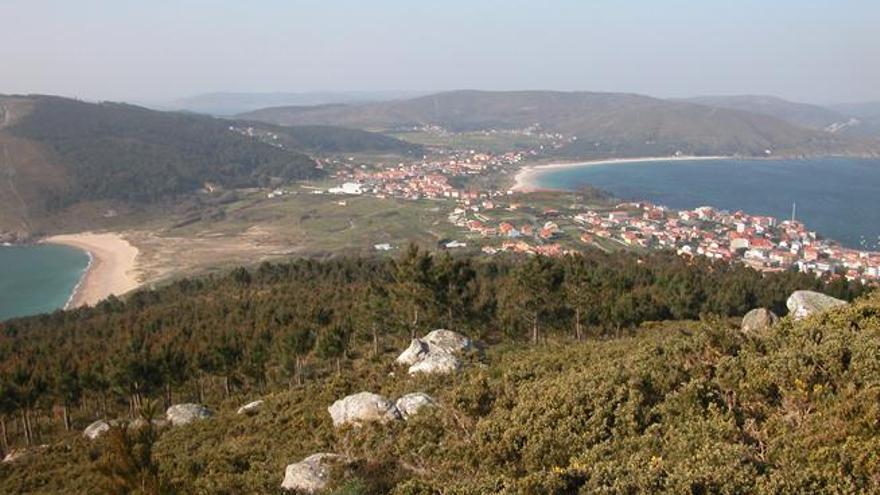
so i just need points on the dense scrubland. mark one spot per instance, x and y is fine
(608, 373)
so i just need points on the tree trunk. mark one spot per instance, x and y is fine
(25, 426)
(65, 413)
(535, 329)
(375, 341)
(226, 385)
(577, 324)
(168, 393)
(412, 333)
(4, 433)
(338, 366)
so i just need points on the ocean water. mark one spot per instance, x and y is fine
(38, 279)
(838, 198)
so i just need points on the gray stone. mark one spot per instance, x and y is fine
(363, 407)
(410, 404)
(96, 429)
(181, 414)
(436, 363)
(13, 455)
(311, 474)
(758, 319)
(417, 350)
(435, 352)
(803, 303)
(447, 341)
(250, 407)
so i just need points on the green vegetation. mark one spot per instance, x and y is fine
(639, 406)
(127, 153)
(497, 142)
(605, 124)
(330, 139)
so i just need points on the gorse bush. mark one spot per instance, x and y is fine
(668, 406)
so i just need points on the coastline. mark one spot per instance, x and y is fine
(111, 269)
(524, 180)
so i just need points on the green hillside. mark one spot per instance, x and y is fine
(633, 405)
(800, 114)
(332, 139)
(605, 124)
(118, 151)
(63, 159)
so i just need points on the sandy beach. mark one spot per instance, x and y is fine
(525, 178)
(112, 267)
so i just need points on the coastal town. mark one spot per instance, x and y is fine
(497, 220)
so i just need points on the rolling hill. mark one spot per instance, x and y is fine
(230, 103)
(605, 124)
(66, 157)
(800, 114)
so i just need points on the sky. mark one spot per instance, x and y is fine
(821, 51)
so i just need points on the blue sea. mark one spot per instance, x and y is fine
(39, 278)
(838, 198)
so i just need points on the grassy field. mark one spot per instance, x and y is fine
(500, 142)
(256, 228)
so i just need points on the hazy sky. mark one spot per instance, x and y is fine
(811, 50)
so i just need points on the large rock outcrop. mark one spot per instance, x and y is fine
(435, 352)
(181, 414)
(363, 407)
(96, 429)
(758, 319)
(803, 303)
(309, 475)
(410, 404)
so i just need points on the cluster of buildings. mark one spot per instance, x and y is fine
(267, 137)
(761, 242)
(519, 236)
(430, 179)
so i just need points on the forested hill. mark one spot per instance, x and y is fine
(578, 386)
(58, 152)
(119, 151)
(605, 124)
(333, 139)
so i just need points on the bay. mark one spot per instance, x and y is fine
(39, 278)
(837, 197)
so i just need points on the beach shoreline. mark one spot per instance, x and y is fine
(112, 268)
(525, 177)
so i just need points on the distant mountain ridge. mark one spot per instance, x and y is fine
(605, 124)
(231, 103)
